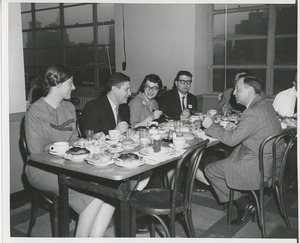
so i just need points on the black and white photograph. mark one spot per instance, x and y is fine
(148, 120)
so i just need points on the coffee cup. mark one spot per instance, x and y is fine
(179, 142)
(114, 134)
(59, 147)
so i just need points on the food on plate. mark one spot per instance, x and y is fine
(188, 136)
(77, 151)
(127, 141)
(101, 157)
(128, 158)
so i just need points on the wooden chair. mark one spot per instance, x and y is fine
(276, 181)
(160, 201)
(49, 197)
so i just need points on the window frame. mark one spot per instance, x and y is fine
(96, 83)
(270, 65)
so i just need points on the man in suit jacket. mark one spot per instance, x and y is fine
(240, 170)
(178, 103)
(109, 111)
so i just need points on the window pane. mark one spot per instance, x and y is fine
(25, 7)
(246, 52)
(219, 79)
(106, 57)
(104, 74)
(26, 21)
(242, 23)
(286, 21)
(106, 34)
(48, 38)
(84, 75)
(27, 40)
(105, 12)
(286, 51)
(219, 52)
(78, 15)
(79, 56)
(77, 36)
(28, 57)
(49, 56)
(282, 80)
(45, 5)
(47, 18)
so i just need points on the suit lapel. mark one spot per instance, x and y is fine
(109, 112)
(177, 100)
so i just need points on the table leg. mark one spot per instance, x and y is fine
(63, 206)
(125, 210)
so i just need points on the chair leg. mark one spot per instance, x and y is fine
(133, 223)
(152, 227)
(34, 209)
(54, 217)
(163, 224)
(282, 207)
(189, 222)
(230, 203)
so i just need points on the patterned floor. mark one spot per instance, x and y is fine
(209, 221)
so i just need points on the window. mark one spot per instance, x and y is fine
(261, 39)
(80, 35)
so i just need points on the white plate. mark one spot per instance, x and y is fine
(164, 151)
(117, 149)
(130, 146)
(98, 163)
(132, 164)
(184, 146)
(71, 157)
(55, 153)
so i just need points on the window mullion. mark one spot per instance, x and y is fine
(95, 47)
(62, 31)
(211, 46)
(270, 50)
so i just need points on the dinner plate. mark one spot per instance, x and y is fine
(163, 152)
(99, 163)
(55, 153)
(116, 149)
(131, 164)
(130, 146)
(184, 146)
(72, 158)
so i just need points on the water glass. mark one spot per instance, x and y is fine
(156, 139)
(89, 135)
(144, 136)
(177, 127)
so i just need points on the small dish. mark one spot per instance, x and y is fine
(56, 154)
(131, 164)
(73, 158)
(184, 146)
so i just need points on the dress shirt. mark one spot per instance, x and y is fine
(185, 100)
(284, 102)
(114, 107)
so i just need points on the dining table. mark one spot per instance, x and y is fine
(110, 181)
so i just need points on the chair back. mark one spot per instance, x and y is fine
(185, 174)
(280, 143)
(24, 143)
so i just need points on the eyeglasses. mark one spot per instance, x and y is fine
(154, 88)
(188, 82)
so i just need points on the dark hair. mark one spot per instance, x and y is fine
(239, 73)
(252, 81)
(153, 78)
(56, 74)
(116, 79)
(181, 73)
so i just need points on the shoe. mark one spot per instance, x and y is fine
(243, 213)
(142, 228)
(199, 187)
(292, 187)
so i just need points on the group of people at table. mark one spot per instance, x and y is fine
(52, 118)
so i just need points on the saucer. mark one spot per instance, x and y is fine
(184, 146)
(55, 153)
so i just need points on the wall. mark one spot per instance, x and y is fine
(17, 100)
(160, 39)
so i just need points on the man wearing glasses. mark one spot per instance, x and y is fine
(178, 103)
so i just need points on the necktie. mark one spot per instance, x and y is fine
(183, 105)
(117, 115)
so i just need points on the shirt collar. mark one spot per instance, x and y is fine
(112, 104)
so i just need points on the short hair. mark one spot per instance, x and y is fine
(56, 74)
(252, 81)
(153, 78)
(116, 79)
(183, 72)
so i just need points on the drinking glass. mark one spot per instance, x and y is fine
(156, 139)
(89, 135)
(144, 136)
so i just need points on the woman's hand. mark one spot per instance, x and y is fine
(207, 122)
(99, 136)
(156, 114)
(122, 126)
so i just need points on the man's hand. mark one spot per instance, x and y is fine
(156, 114)
(99, 136)
(185, 114)
(122, 127)
(207, 122)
